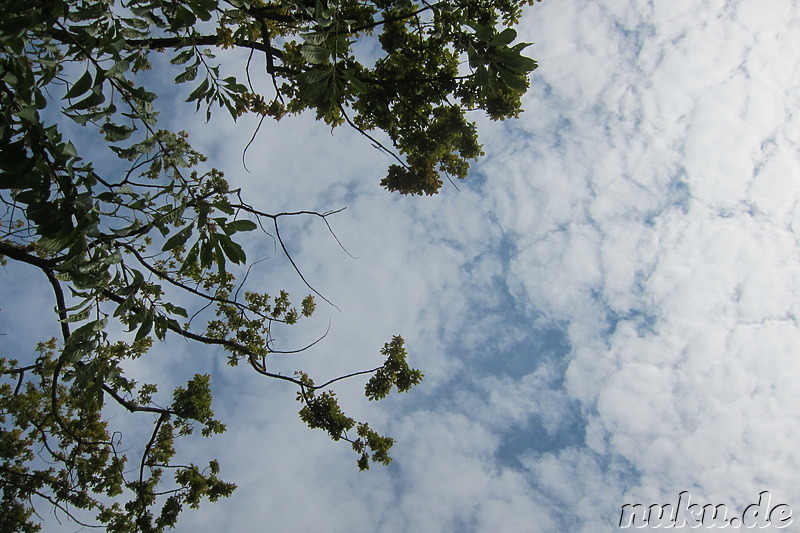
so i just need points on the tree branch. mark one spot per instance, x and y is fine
(161, 419)
(66, 37)
(18, 254)
(169, 279)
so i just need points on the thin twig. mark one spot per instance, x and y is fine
(296, 268)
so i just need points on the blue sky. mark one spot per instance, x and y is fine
(606, 312)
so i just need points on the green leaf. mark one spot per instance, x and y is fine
(187, 75)
(161, 326)
(504, 37)
(115, 133)
(519, 47)
(199, 92)
(200, 10)
(315, 38)
(179, 238)
(207, 253)
(139, 24)
(126, 305)
(224, 206)
(81, 120)
(240, 225)
(146, 327)
(234, 252)
(220, 255)
(80, 87)
(57, 244)
(79, 316)
(118, 68)
(315, 75)
(114, 258)
(175, 310)
(483, 33)
(358, 85)
(475, 59)
(94, 99)
(312, 92)
(191, 257)
(29, 115)
(515, 62)
(87, 330)
(514, 81)
(69, 149)
(315, 54)
(183, 57)
(126, 189)
(482, 78)
(39, 100)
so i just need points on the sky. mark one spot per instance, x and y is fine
(606, 310)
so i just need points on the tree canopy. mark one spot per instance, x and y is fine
(117, 243)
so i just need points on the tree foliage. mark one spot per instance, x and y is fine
(124, 244)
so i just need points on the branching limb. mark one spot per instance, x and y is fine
(376, 143)
(161, 419)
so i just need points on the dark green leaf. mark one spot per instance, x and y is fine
(240, 225)
(175, 310)
(126, 305)
(519, 47)
(139, 24)
(115, 133)
(514, 81)
(358, 85)
(515, 62)
(183, 57)
(220, 256)
(315, 38)
(57, 244)
(179, 238)
(199, 92)
(94, 99)
(224, 206)
(160, 326)
(315, 54)
(147, 325)
(79, 316)
(315, 75)
(234, 252)
(69, 149)
(483, 33)
(29, 114)
(78, 88)
(207, 253)
(187, 75)
(504, 37)
(191, 257)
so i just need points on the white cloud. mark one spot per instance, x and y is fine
(688, 396)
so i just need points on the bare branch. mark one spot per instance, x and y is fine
(294, 265)
(375, 142)
(161, 419)
(304, 348)
(340, 378)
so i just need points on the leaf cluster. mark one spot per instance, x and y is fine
(322, 410)
(80, 464)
